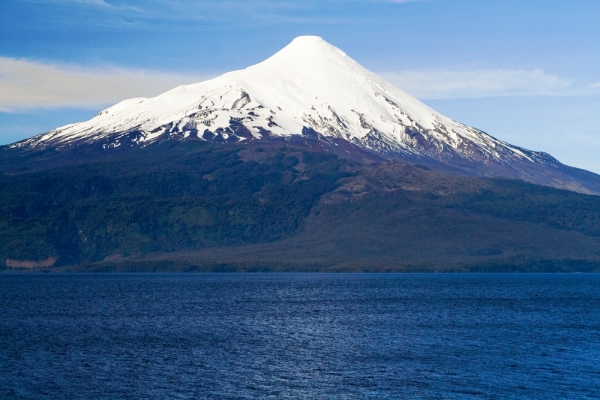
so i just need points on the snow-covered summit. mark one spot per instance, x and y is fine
(309, 84)
(309, 89)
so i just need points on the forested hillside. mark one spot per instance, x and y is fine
(199, 206)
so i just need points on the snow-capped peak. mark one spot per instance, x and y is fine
(308, 86)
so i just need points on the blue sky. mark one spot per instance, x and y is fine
(527, 72)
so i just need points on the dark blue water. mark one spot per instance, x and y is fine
(299, 335)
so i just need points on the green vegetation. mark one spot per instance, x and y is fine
(170, 197)
(193, 206)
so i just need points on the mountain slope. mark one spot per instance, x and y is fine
(310, 90)
(207, 206)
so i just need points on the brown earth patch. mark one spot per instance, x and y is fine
(31, 264)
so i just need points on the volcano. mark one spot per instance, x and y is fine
(312, 93)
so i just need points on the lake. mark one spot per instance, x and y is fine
(299, 335)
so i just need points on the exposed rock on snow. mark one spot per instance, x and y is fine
(310, 89)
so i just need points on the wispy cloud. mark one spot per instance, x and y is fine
(93, 2)
(261, 11)
(102, 4)
(152, 12)
(88, 2)
(444, 84)
(28, 84)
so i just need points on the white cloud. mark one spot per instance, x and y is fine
(439, 84)
(28, 84)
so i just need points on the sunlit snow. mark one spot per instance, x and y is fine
(309, 83)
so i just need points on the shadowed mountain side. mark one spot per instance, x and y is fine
(552, 173)
(403, 243)
(182, 206)
(19, 160)
(392, 233)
